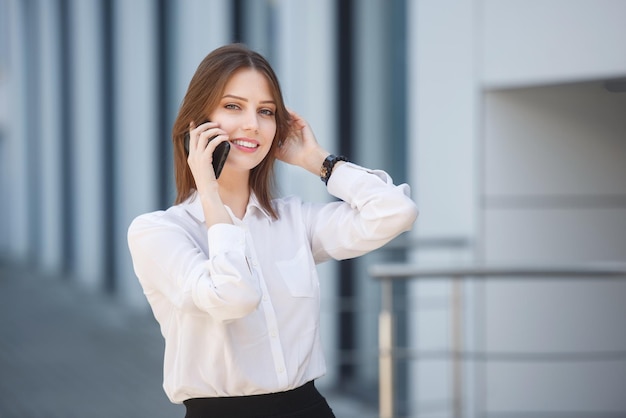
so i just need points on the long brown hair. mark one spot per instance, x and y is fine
(203, 95)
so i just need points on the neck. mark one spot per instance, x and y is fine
(235, 191)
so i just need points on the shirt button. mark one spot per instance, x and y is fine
(281, 370)
(273, 334)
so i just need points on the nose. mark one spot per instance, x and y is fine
(251, 122)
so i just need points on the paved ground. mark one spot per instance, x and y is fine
(67, 353)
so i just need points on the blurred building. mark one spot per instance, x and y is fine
(507, 117)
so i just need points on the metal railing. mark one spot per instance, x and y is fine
(388, 273)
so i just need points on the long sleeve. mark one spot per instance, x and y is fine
(372, 211)
(167, 259)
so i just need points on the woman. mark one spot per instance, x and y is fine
(229, 271)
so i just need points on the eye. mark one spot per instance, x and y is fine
(267, 112)
(231, 106)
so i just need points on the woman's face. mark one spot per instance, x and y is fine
(247, 112)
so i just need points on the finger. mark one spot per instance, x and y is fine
(206, 125)
(199, 135)
(297, 122)
(192, 138)
(294, 116)
(194, 135)
(214, 141)
(197, 129)
(206, 137)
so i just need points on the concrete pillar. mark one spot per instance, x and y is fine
(5, 99)
(87, 142)
(442, 125)
(14, 144)
(135, 149)
(51, 210)
(199, 26)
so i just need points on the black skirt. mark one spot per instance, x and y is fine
(302, 402)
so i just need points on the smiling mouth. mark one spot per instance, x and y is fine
(245, 144)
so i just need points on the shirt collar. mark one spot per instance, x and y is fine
(194, 206)
(253, 202)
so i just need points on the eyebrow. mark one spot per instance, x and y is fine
(245, 100)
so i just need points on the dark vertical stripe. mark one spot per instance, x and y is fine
(67, 110)
(237, 9)
(347, 324)
(108, 145)
(397, 116)
(345, 51)
(163, 54)
(397, 165)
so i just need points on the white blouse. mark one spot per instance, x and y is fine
(238, 305)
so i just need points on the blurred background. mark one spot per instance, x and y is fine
(506, 117)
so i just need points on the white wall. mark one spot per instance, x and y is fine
(443, 112)
(555, 164)
(551, 41)
(443, 121)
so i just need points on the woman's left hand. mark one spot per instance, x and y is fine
(300, 148)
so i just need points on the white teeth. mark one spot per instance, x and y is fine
(246, 144)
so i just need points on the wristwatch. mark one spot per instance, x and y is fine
(327, 166)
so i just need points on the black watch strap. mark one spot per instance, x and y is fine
(328, 165)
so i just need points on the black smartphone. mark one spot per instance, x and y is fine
(219, 155)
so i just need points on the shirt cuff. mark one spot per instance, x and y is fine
(348, 174)
(226, 242)
(224, 238)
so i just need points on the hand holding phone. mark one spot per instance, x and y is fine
(219, 155)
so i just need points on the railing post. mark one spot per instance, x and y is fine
(457, 346)
(387, 274)
(386, 354)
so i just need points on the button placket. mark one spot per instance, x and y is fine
(271, 322)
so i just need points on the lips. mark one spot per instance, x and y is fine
(245, 144)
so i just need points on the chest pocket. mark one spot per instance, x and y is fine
(299, 274)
